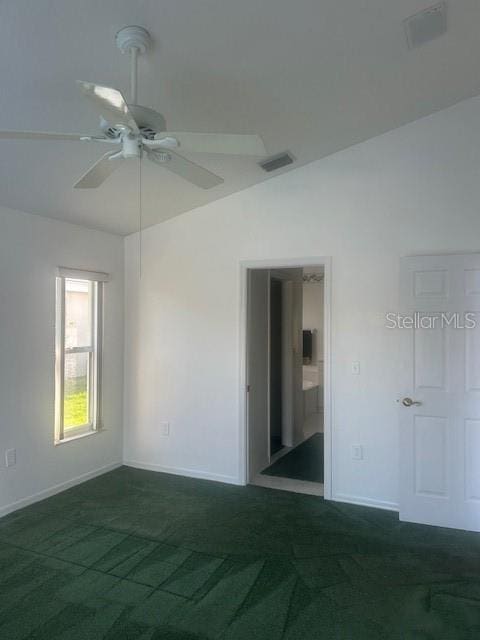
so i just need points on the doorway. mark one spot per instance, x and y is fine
(287, 408)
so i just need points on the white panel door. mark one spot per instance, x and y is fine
(258, 371)
(440, 436)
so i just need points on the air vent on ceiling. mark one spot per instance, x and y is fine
(426, 25)
(277, 162)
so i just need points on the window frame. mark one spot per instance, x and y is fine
(95, 349)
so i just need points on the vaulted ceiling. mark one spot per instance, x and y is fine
(311, 76)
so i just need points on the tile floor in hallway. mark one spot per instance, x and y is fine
(136, 555)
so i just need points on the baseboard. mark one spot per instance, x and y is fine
(365, 502)
(58, 488)
(179, 471)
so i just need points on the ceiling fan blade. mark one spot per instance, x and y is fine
(185, 169)
(228, 143)
(110, 104)
(40, 135)
(100, 171)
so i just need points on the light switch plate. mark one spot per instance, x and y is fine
(357, 452)
(356, 368)
(10, 457)
(164, 428)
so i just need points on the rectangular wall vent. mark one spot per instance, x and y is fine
(277, 162)
(426, 25)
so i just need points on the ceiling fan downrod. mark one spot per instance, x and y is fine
(133, 40)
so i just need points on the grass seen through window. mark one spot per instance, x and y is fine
(76, 402)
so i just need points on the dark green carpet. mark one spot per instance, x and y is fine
(305, 462)
(135, 555)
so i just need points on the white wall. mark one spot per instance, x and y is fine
(414, 190)
(31, 247)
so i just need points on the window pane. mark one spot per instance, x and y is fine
(78, 313)
(76, 392)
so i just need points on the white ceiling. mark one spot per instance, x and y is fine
(311, 76)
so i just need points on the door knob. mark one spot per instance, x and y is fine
(408, 402)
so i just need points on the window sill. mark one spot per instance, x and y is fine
(79, 436)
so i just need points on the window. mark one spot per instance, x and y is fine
(78, 353)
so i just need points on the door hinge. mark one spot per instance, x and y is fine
(248, 388)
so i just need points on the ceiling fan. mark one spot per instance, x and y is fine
(134, 129)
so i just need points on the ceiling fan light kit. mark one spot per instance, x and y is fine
(135, 129)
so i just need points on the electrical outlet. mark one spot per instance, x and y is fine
(357, 452)
(356, 368)
(164, 428)
(10, 457)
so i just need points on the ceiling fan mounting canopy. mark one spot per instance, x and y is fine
(133, 37)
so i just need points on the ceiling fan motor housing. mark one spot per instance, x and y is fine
(149, 122)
